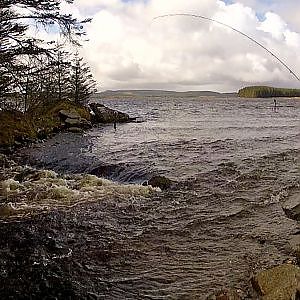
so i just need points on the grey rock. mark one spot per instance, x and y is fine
(73, 119)
(73, 122)
(103, 114)
(75, 130)
(81, 123)
(64, 114)
(291, 206)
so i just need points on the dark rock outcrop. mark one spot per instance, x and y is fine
(105, 171)
(160, 181)
(103, 114)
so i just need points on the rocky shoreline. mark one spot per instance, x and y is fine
(52, 249)
(19, 129)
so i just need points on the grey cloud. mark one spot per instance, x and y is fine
(128, 50)
(126, 73)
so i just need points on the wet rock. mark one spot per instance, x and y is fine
(291, 206)
(294, 244)
(103, 114)
(160, 181)
(278, 283)
(104, 170)
(24, 173)
(75, 130)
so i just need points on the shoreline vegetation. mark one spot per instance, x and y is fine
(22, 129)
(18, 128)
(38, 77)
(267, 92)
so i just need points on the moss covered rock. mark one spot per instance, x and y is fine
(278, 283)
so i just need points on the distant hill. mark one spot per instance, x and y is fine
(162, 93)
(267, 92)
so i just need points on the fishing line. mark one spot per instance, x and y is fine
(236, 30)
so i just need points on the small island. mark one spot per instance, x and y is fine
(267, 92)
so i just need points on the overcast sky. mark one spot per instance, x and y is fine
(127, 49)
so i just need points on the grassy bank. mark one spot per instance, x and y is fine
(267, 92)
(17, 127)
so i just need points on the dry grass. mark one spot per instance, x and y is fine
(18, 126)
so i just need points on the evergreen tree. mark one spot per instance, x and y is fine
(61, 67)
(16, 46)
(38, 82)
(82, 83)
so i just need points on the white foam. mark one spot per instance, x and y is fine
(46, 190)
(10, 186)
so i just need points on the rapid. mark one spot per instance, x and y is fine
(232, 162)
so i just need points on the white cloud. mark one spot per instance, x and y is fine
(274, 25)
(292, 39)
(127, 49)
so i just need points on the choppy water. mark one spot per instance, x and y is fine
(232, 161)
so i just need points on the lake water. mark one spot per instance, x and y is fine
(231, 160)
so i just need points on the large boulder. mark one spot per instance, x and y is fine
(278, 283)
(103, 114)
(160, 181)
(65, 114)
(73, 120)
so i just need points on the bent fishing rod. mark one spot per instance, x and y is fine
(234, 29)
